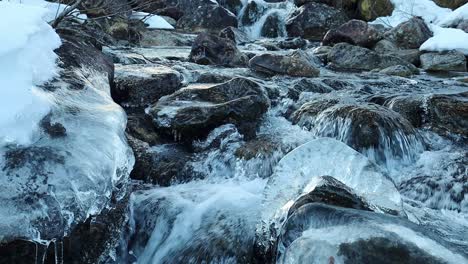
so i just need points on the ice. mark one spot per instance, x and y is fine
(153, 21)
(445, 39)
(327, 157)
(27, 59)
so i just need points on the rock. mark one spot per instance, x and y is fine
(348, 57)
(252, 11)
(193, 111)
(312, 20)
(308, 85)
(271, 27)
(210, 49)
(296, 64)
(140, 126)
(410, 107)
(51, 128)
(156, 37)
(234, 6)
(292, 43)
(140, 85)
(371, 9)
(104, 8)
(463, 25)
(262, 147)
(121, 30)
(448, 113)
(355, 32)
(363, 127)
(349, 6)
(384, 46)
(444, 61)
(399, 70)
(207, 17)
(453, 4)
(331, 191)
(410, 34)
(322, 53)
(162, 164)
(234, 34)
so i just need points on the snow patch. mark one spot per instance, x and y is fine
(153, 21)
(445, 39)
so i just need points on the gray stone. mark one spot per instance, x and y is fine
(296, 64)
(410, 34)
(444, 61)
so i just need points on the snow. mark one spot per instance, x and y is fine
(153, 21)
(455, 17)
(22, 67)
(53, 9)
(446, 39)
(406, 9)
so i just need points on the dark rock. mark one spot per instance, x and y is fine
(453, 4)
(193, 111)
(261, 147)
(349, 6)
(155, 37)
(103, 8)
(170, 11)
(347, 57)
(332, 192)
(162, 164)
(252, 12)
(449, 113)
(232, 5)
(408, 106)
(398, 70)
(234, 34)
(308, 85)
(141, 85)
(296, 64)
(410, 34)
(271, 27)
(444, 61)
(140, 126)
(292, 43)
(123, 30)
(311, 21)
(211, 49)
(371, 9)
(322, 53)
(385, 46)
(356, 32)
(53, 129)
(463, 25)
(206, 17)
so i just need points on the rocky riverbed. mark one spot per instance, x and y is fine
(342, 143)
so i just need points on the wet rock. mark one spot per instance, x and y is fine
(348, 57)
(384, 46)
(410, 107)
(331, 191)
(356, 32)
(410, 34)
(308, 85)
(322, 53)
(161, 164)
(260, 147)
(271, 27)
(207, 17)
(399, 70)
(234, 34)
(453, 4)
(449, 113)
(211, 49)
(296, 64)
(463, 25)
(252, 12)
(103, 8)
(362, 127)
(313, 20)
(349, 6)
(385, 250)
(234, 6)
(155, 37)
(140, 126)
(192, 111)
(122, 30)
(292, 43)
(444, 61)
(371, 9)
(140, 85)
(51, 128)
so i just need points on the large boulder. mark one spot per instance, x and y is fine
(206, 17)
(252, 12)
(211, 49)
(444, 61)
(234, 34)
(348, 57)
(193, 111)
(356, 32)
(296, 64)
(453, 4)
(313, 20)
(372, 9)
(410, 34)
(271, 27)
(139, 85)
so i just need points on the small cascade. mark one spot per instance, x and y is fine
(258, 18)
(58, 249)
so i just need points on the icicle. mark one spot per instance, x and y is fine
(41, 252)
(58, 248)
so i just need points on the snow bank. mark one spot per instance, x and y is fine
(27, 59)
(153, 21)
(53, 9)
(446, 39)
(455, 17)
(406, 9)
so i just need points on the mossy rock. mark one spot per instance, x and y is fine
(372, 9)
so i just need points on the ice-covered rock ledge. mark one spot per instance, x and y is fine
(64, 158)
